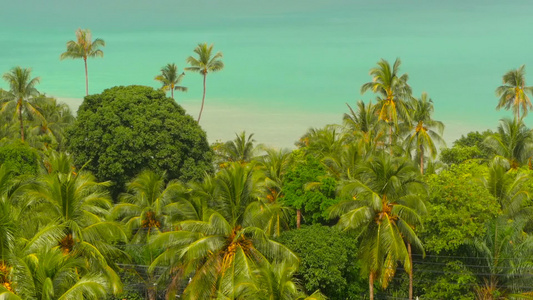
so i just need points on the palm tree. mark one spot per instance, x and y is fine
(502, 257)
(364, 120)
(513, 140)
(148, 209)
(21, 88)
(509, 187)
(277, 282)
(422, 137)
(393, 92)
(513, 92)
(205, 63)
(21, 236)
(49, 130)
(322, 142)
(8, 228)
(241, 149)
(78, 203)
(84, 47)
(275, 164)
(170, 79)
(225, 249)
(384, 208)
(148, 205)
(426, 131)
(57, 276)
(363, 127)
(52, 275)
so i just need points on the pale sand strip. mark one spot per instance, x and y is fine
(275, 128)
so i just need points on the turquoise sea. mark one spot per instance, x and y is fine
(290, 65)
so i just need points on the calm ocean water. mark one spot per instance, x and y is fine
(290, 65)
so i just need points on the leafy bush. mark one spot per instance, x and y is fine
(124, 130)
(307, 187)
(328, 261)
(458, 208)
(20, 158)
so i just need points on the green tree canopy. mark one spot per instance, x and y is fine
(20, 158)
(469, 146)
(124, 130)
(328, 261)
(308, 188)
(458, 207)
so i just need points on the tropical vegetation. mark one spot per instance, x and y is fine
(207, 62)
(128, 200)
(84, 47)
(170, 79)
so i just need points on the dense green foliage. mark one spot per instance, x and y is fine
(141, 207)
(20, 158)
(458, 207)
(471, 146)
(125, 130)
(327, 258)
(308, 188)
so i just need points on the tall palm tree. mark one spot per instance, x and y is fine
(513, 92)
(84, 47)
(21, 88)
(425, 131)
(170, 79)
(393, 92)
(513, 140)
(385, 206)
(204, 64)
(225, 249)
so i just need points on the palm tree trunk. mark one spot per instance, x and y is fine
(517, 95)
(371, 285)
(152, 293)
(298, 218)
(410, 271)
(390, 130)
(172, 92)
(86, 78)
(421, 160)
(203, 99)
(20, 119)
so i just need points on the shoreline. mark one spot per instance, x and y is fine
(275, 128)
(279, 129)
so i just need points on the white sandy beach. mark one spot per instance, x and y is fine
(276, 128)
(280, 129)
